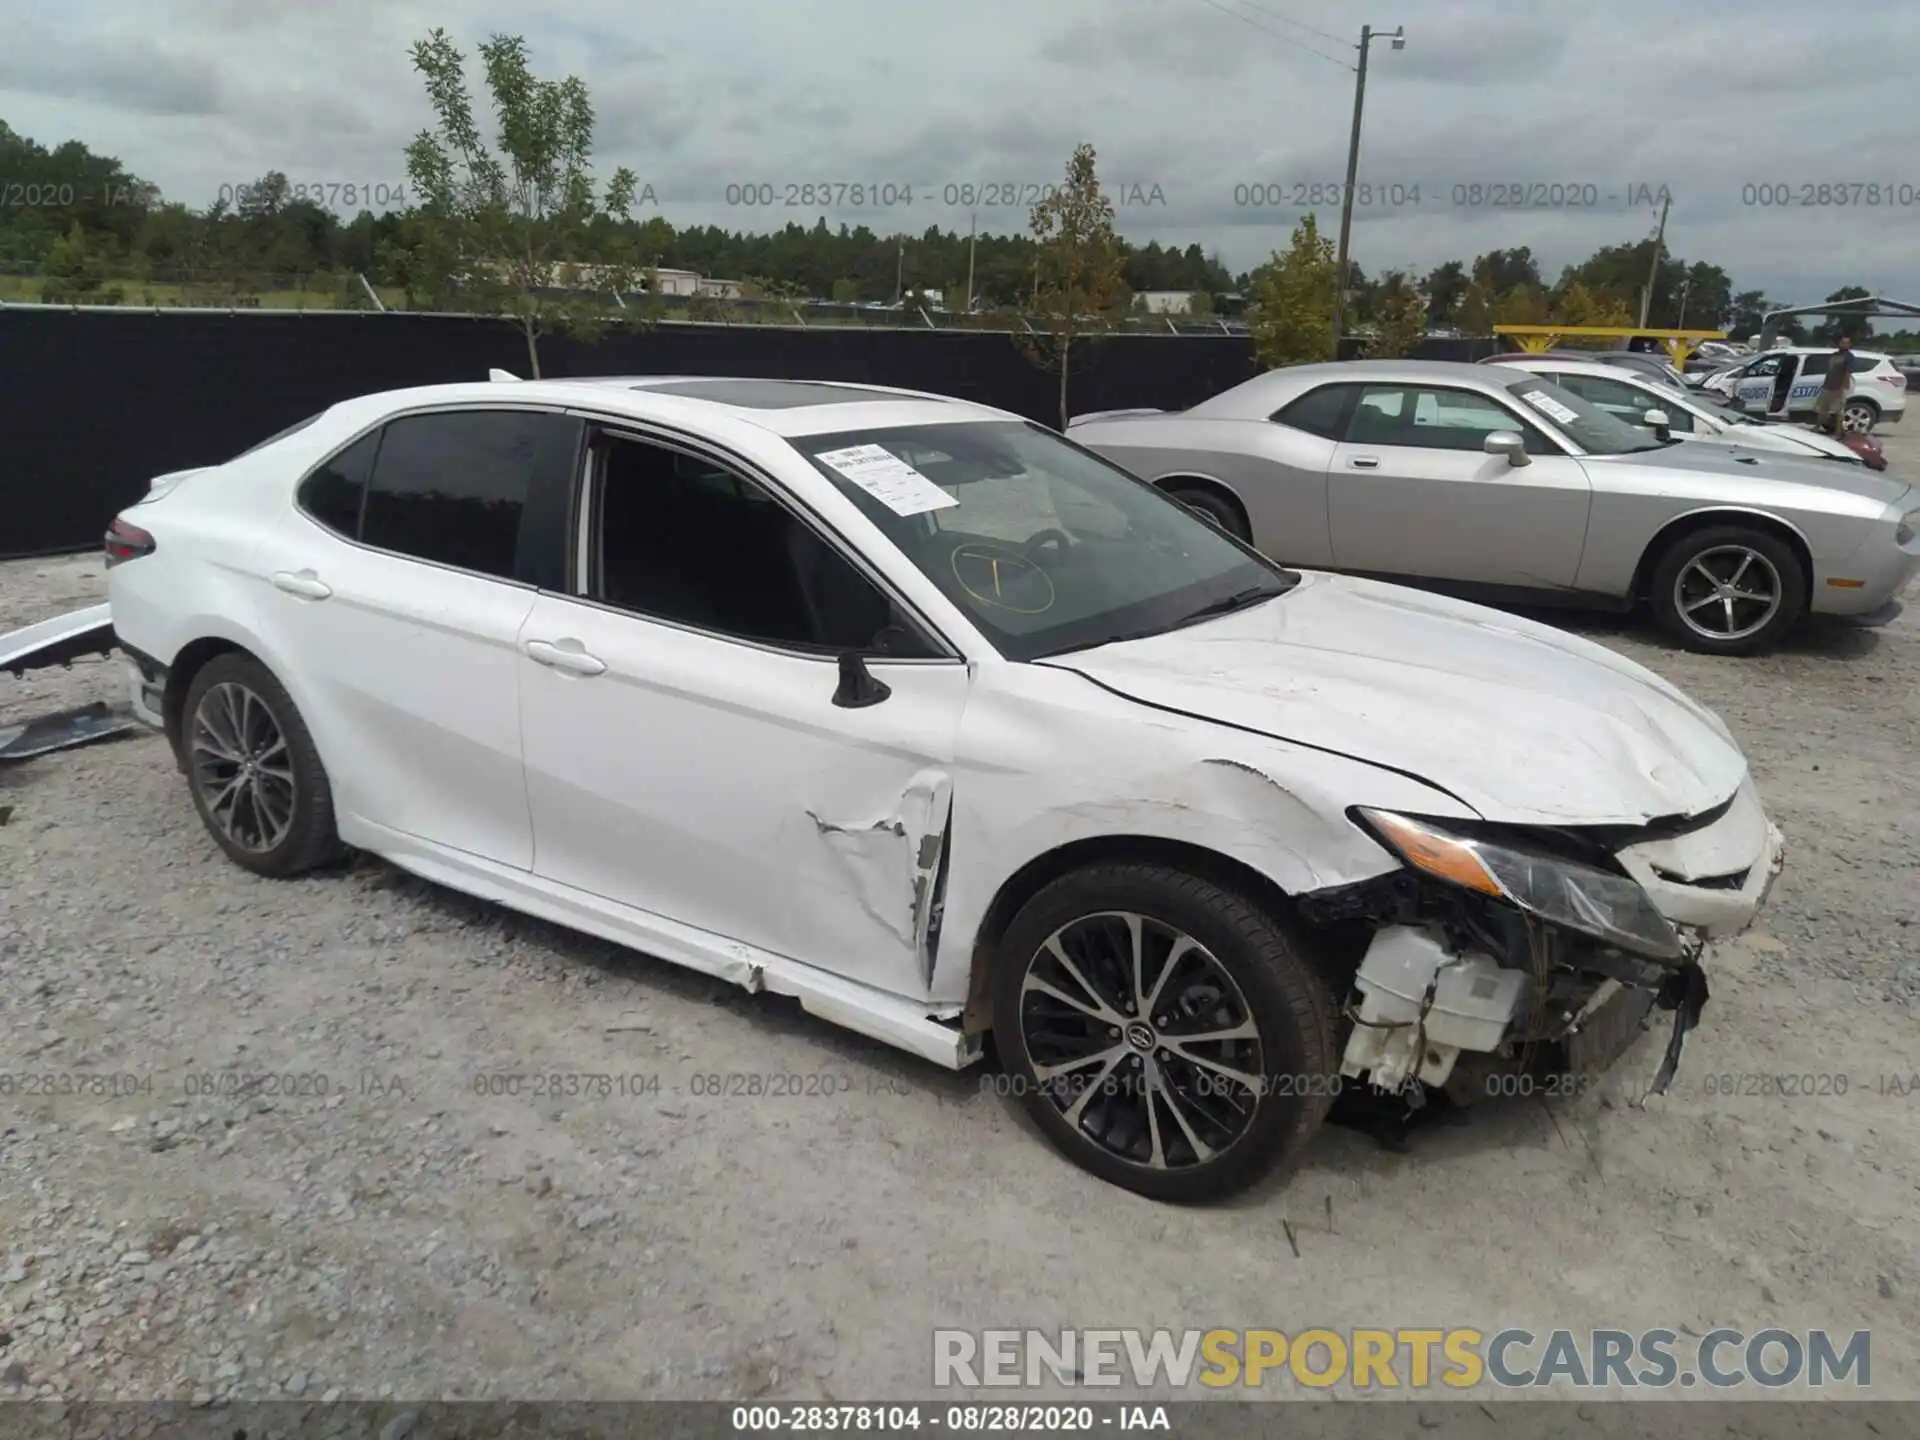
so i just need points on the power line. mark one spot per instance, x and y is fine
(1279, 35)
(1288, 20)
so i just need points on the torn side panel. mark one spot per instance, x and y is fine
(896, 862)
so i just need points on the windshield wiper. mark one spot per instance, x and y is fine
(1239, 600)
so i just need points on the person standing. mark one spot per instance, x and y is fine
(1834, 390)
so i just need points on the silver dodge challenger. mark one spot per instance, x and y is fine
(1496, 484)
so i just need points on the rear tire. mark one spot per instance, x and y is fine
(1212, 506)
(253, 771)
(1690, 590)
(1132, 1092)
(1859, 416)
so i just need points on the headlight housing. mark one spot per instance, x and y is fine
(1903, 532)
(1608, 907)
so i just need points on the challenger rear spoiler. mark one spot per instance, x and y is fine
(1112, 415)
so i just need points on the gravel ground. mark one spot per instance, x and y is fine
(371, 1222)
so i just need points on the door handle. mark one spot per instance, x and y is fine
(303, 583)
(1364, 462)
(565, 655)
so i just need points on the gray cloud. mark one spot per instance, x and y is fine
(1709, 99)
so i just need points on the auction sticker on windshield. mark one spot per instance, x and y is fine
(889, 479)
(1540, 400)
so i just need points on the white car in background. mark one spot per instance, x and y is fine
(1786, 383)
(921, 713)
(1641, 402)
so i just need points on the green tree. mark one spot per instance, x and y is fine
(1857, 326)
(1577, 305)
(1291, 317)
(75, 271)
(508, 221)
(846, 292)
(1077, 269)
(1400, 319)
(1445, 285)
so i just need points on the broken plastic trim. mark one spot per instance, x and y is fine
(58, 641)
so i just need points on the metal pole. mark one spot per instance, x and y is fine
(1686, 285)
(973, 225)
(1653, 270)
(900, 274)
(1346, 199)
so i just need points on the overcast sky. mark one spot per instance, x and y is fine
(1187, 102)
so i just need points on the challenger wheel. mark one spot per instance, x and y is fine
(1166, 1033)
(1214, 508)
(256, 778)
(1728, 590)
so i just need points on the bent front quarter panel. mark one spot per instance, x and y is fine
(1278, 473)
(1048, 758)
(1633, 503)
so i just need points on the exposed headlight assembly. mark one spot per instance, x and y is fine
(1608, 907)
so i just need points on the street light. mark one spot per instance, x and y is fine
(1367, 36)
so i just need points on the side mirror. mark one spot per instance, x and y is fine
(1510, 443)
(1659, 422)
(858, 687)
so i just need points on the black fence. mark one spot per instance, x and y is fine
(95, 403)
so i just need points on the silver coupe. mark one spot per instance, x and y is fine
(1493, 483)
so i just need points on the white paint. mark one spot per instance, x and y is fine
(703, 800)
(1421, 1005)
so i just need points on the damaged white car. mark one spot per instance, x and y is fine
(922, 714)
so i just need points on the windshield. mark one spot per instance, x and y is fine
(1580, 420)
(1044, 545)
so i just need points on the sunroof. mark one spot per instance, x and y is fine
(763, 394)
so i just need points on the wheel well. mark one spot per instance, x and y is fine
(1707, 519)
(1030, 879)
(1866, 400)
(1212, 487)
(187, 664)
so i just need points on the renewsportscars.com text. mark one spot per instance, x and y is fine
(1389, 1359)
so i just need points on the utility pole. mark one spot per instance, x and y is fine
(1653, 270)
(1685, 286)
(900, 271)
(1367, 37)
(973, 226)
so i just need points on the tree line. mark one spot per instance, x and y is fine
(502, 226)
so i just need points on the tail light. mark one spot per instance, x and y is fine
(126, 542)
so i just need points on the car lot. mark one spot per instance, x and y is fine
(387, 1207)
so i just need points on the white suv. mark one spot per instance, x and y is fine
(1786, 383)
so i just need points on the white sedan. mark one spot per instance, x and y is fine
(1633, 398)
(924, 715)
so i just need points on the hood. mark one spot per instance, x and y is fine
(1762, 465)
(1789, 440)
(1526, 724)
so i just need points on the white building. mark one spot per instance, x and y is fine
(1165, 302)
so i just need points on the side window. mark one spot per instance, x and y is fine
(1613, 396)
(1759, 368)
(1435, 419)
(679, 538)
(1321, 412)
(1864, 363)
(332, 493)
(482, 490)
(1813, 366)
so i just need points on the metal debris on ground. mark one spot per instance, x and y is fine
(65, 729)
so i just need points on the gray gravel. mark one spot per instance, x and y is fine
(306, 1185)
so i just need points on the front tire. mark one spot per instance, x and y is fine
(1728, 590)
(255, 775)
(1166, 1033)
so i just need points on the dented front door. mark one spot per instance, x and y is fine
(716, 783)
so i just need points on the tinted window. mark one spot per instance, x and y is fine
(332, 493)
(684, 539)
(1321, 412)
(1864, 363)
(1814, 365)
(465, 488)
(1629, 402)
(1434, 419)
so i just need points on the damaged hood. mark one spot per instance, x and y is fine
(1525, 723)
